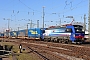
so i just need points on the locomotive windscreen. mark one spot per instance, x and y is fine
(78, 28)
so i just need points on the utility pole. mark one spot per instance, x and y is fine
(18, 28)
(45, 25)
(84, 22)
(27, 26)
(27, 30)
(8, 27)
(8, 23)
(60, 22)
(89, 21)
(60, 18)
(43, 16)
(37, 23)
(31, 24)
(18, 32)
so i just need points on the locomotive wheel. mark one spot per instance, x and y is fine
(60, 41)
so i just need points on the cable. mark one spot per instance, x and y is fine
(50, 13)
(71, 7)
(28, 7)
(79, 3)
(66, 2)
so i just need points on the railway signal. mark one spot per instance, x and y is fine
(20, 47)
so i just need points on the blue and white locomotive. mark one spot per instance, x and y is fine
(65, 34)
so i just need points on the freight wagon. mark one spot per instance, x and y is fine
(1, 35)
(22, 34)
(35, 33)
(13, 34)
(65, 34)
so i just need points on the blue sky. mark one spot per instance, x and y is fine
(20, 12)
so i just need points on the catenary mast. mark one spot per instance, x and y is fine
(89, 21)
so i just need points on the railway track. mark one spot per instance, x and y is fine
(56, 53)
(65, 51)
(44, 54)
(45, 58)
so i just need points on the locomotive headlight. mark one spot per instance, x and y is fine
(83, 30)
(77, 30)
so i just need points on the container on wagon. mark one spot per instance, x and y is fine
(35, 33)
(22, 34)
(13, 34)
(1, 35)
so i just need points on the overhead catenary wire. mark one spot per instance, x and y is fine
(45, 12)
(29, 7)
(35, 11)
(69, 9)
(66, 3)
